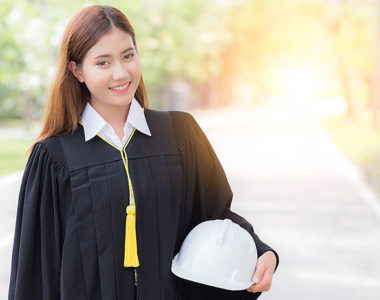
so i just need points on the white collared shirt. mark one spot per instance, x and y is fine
(93, 124)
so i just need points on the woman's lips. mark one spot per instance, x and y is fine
(121, 88)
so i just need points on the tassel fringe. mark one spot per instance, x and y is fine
(130, 256)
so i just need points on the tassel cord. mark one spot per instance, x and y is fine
(130, 255)
(125, 161)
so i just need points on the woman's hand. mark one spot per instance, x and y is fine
(262, 277)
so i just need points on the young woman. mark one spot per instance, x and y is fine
(112, 188)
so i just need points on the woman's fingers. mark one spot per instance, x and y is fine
(259, 272)
(264, 284)
(258, 275)
(264, 272)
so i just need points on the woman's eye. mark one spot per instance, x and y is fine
(101, 63)
(129, 56)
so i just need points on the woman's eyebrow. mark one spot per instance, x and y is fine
(108, 55)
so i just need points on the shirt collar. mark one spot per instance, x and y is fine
(136, 117)
(93, 122)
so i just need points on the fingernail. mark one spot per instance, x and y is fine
(255, 280)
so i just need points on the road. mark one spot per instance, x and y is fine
(302, 197)
(9, 186)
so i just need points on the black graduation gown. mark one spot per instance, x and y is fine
(70, 227)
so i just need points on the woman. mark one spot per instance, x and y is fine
(112, 188)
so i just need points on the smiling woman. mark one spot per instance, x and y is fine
(98, 53)
(112, 188)
(113, 78)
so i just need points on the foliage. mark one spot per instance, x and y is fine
(176, 40)
(234, 41)
(272, 38)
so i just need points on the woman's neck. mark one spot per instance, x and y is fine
(115, 116)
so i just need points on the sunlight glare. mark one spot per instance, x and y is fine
(299, 80)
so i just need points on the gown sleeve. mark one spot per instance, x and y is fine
(39, 231)
(212, 193)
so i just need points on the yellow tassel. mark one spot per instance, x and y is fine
(130, 256)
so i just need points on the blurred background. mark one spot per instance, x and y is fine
(288, 92)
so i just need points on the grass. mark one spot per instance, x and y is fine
(358, 141)
(18, 122)
(13, 155)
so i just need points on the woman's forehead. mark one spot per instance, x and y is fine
(112, 43)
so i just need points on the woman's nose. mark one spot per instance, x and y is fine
(119, 71)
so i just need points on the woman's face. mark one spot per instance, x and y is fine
(111, 69)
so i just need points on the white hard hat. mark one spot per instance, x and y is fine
(219, 253)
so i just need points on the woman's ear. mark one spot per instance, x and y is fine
(76, 70)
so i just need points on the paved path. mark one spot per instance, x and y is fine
(301, 196)
(304, 199)
(9, 187)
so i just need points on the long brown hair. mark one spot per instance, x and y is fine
(67, 97)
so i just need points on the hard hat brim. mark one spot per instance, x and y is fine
(208, 279)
